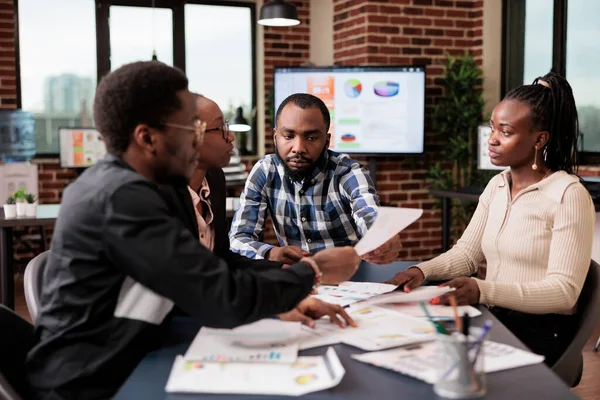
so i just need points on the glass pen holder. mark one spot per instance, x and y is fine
(461, 372)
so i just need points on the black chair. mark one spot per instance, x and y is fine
(569, 366)
(16, 339)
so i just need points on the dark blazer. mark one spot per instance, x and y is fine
(181, 204)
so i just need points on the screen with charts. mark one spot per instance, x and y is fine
(80, 147)
(374, 110)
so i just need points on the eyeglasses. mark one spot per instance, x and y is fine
(224, 130)
(199, 128)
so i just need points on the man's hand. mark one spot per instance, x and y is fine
(310, 309)
(287, 254)
(385, 254)
(411, 278)
(337, 264)
(465, 290)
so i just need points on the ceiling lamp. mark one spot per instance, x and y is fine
(278, 13)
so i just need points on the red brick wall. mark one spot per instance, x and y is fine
(406, 32)
(284, 47)
(8, 88)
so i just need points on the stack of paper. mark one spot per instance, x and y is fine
(377, 329)
(267, 340)
(422, 361)
(422, 293)
(305, 375)
(351, 292)
(436, 312)
(258, 358)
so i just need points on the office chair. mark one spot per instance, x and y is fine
(32, 282)
(569, 366)
(16, 339)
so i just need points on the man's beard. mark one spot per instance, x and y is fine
(302, 174)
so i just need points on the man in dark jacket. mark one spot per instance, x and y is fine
(121, 259)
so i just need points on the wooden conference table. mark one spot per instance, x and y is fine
(361, 381)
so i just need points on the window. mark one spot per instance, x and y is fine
(221, 69)
(85, 39)
(583, 58)
(132, 42)
(560, 34)
(57, 45)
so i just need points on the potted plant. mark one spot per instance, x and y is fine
(456, 117)
(10, 207)
(21, 202)
(31, 208)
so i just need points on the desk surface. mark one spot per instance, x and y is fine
(361, 381)
(46, 215)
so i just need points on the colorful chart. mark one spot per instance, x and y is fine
(348, 137)
(306, 379)
(386, 89)
(352, 88)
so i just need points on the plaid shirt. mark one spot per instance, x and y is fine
(334, 208)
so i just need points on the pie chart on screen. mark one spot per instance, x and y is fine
(352, 88)
(386, 89)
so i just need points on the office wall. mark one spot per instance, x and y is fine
(8, 88)
(400, 33)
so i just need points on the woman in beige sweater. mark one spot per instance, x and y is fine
(533, 224)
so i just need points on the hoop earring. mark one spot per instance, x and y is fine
(534, 165)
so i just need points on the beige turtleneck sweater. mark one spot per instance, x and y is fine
(537, 246)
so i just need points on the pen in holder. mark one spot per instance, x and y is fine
(461, 372)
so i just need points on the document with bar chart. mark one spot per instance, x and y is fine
(265, 341)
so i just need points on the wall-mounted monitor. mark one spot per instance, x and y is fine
(374, 109)
(80, 147)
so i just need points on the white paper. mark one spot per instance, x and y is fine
(267, 340)
(422, 293)
(423, 361)
(437, 312)
(377, 329)
(351, 292)
(389, 222)
(380, 329)
(306, 375)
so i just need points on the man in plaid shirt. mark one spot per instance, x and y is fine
(316, 198)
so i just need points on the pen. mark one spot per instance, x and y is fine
(457, 320)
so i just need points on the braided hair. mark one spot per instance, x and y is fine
(553, 110)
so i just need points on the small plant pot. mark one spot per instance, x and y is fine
(31, 210)
(21, 209)
(10, 211)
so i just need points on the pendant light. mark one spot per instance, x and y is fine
(278, 13)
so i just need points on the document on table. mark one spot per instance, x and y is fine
(351, 292)
(305, 375)
(267, 340)
(422, 293)
(389, 222)
(437, 312)
(377, 329)
(422, 361)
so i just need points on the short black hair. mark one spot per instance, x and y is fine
(143, 92)
(553, 109)
(305, 101)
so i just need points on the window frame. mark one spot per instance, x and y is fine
(177, 7)
(513, 50)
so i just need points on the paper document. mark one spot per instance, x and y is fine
(422, 293)
(307, 374)
(389, 222)
(351, 292)
(267, 340)
(377, 329)
(422, 361)
(437, 312)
